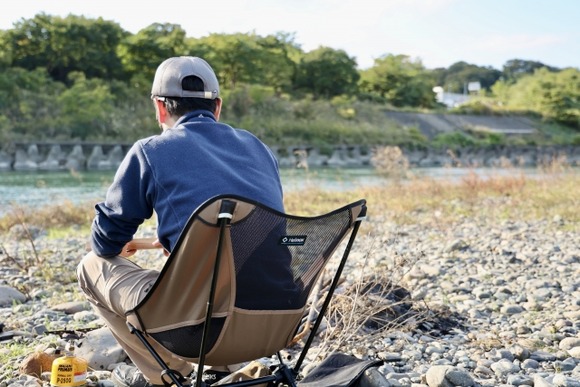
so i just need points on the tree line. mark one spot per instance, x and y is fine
(83, 78)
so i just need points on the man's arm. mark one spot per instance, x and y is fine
(128, 203)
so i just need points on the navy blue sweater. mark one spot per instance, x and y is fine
(174, 172)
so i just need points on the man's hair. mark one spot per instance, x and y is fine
(178, 106)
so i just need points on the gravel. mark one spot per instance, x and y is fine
(479, 302)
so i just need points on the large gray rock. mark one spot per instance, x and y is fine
(448, 376)
(565, 381)
(541, 382)
(568, 343)
(373, 378)
(100, 349)
(10, 295)
(72, 307)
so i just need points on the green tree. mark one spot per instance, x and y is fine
(28, 101)
(5, 51)
(276, 63)
(236, 58)
(65, 45)
(198, 47)
(554, 95)
(85, 108)
(514, 69)
(142, 52)
(326, 72)
(400, 80)
(249, 58)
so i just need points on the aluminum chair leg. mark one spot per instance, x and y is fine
(175, 376)
(330, 293)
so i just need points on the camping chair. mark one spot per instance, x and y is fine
(237, 284)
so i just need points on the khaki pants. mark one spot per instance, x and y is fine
(113, 286)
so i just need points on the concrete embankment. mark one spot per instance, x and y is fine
(430, 124)
(93, 156)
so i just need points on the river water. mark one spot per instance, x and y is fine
(37, 189)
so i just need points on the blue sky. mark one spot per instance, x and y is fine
(438, 32)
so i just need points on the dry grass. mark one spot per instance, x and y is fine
(498, 197)
(552, 192)
(389, 161)
(375, 302)
(51, 217)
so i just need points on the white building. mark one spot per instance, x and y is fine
(450, 100)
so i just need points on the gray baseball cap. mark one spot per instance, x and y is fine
(170, 73)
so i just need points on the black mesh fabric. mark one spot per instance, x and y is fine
(186, 341)
(275, 274)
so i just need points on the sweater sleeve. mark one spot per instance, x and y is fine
(129, 201)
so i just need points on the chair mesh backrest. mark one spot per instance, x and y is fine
(270, 262)
(277, 266)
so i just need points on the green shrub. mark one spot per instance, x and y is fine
(454, 140)
(476, 107)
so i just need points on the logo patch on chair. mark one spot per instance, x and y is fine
(292, 240)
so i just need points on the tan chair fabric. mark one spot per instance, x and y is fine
(270, 262)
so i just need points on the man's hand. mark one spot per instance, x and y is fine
(158, 244)
(141, 244)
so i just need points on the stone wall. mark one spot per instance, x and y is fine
(54, 157)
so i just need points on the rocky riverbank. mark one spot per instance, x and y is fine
(477, 303)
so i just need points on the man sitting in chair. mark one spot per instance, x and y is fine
(194, 158)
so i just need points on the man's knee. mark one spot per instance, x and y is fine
(85, 265)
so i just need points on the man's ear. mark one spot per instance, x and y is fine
(161, 111)
(218, 108)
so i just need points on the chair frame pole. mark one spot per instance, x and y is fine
(176, 377)
(224, 218)
(330, 293)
